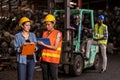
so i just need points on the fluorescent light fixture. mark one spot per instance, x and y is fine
(73, 3)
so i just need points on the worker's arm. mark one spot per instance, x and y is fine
(105, 33)
(54, 46)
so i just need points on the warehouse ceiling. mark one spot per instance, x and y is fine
(13, 4)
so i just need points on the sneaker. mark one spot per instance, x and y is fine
(102, 71)
(86, 58)
(83, 50)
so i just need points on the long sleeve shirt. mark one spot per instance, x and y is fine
(19, 40)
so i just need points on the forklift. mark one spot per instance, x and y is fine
(72, 59)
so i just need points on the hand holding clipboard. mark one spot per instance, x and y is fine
(28, 48)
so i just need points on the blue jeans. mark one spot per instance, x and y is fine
(26, 70)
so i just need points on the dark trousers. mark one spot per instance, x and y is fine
(25, 71)
(50, 71)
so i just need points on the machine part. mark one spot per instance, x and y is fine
(98, 62)
(66, 68)
(77, 66)
(72, 59)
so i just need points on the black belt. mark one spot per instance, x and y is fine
(30, 57)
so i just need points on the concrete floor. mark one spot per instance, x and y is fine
(113, 72)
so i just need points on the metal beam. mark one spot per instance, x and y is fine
(80, 4)
(67, 16)
(51, 5)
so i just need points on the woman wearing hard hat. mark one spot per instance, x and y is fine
(25, 45)
(51, 53)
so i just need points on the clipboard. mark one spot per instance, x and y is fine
(44, 40)
(28, 49)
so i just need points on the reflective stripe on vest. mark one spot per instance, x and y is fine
(102, 42)
(99, 33)
(50, 55)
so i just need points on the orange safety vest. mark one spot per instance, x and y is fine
(50, 55)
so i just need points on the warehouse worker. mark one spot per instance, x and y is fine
(51, 53)
(100, 38)
(26, 58)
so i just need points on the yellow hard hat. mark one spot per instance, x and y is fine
(49, 17)
(24, 19)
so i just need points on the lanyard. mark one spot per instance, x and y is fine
(48, 33)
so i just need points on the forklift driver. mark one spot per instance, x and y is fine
(75, 22)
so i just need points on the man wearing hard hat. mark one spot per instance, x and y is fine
(100, 38)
